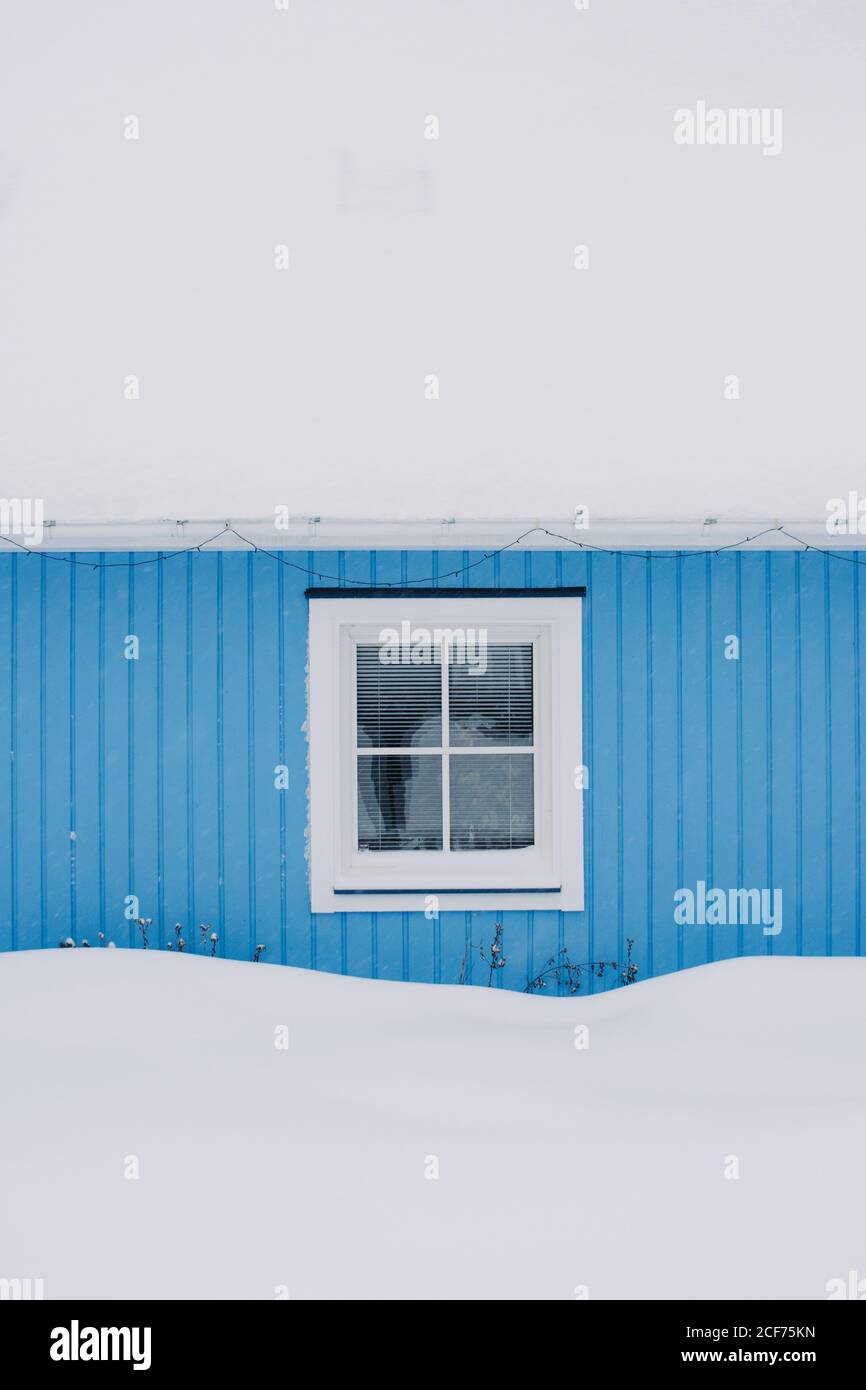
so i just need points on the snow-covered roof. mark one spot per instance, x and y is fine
(157, 260)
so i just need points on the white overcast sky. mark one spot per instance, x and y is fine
(260, 127)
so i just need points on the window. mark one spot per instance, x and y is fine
(444, 739)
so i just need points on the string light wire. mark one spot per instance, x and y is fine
(229, 530)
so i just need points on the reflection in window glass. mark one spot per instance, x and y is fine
(493, 705)
(399, 802)
(492, 804)
(398, 706)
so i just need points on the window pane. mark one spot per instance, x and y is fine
(398, 706)
(490, 701)
(399, 802)
(492, 801)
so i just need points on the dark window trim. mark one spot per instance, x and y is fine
(578, 591)
(439, 892)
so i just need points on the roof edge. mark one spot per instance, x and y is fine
(335, 533)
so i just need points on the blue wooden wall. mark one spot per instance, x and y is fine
(155, 777)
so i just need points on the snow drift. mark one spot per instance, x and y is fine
(309, 1168)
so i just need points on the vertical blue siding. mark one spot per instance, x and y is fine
(155, 778)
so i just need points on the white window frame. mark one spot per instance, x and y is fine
(547, 874)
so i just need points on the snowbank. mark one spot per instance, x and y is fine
(307, 1167)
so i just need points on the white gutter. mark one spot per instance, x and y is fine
(342, 533)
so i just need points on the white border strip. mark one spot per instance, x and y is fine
(336, 533)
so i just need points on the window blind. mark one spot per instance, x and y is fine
(491, 795)
(491, 702)
(398, 706)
